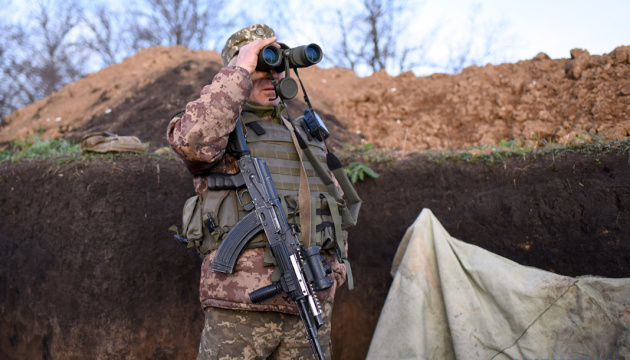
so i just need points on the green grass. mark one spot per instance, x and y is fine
(360, 158)
(492, 154)
(358, 171)
(367, 153)
(489, 154)
(37, 148)
(62, 151)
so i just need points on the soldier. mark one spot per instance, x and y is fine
(235, 328)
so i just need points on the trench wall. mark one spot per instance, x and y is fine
(88, 268)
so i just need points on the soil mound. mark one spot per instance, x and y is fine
(561, 100)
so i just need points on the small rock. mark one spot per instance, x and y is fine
(625, 91)
(541, 56)
(578, 63)
(577, 53)
(621, 55)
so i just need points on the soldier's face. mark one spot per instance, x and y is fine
(263, 90)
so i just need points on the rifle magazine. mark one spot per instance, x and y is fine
(231, 247)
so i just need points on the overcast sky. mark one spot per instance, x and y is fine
(531, 26)
(552, 26)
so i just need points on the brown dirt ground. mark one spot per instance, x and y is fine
(542, 99)
(89, 269)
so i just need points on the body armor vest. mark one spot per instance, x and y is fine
(272, 143)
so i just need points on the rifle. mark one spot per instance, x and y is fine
(303, 271)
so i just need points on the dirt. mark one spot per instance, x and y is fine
(94, 272)
(89, 269)
(554, 100)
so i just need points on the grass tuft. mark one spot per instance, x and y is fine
(492, 154)
(358, 171)
(63, 151)
(37, 148)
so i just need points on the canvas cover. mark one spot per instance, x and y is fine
(453, 300)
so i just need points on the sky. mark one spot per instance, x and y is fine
(551, 26)
(529, 27)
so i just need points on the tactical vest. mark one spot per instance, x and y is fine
(221, 210)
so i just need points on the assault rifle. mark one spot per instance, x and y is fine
(303, 271)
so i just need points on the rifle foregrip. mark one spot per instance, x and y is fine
(231, 247)
(265, 293)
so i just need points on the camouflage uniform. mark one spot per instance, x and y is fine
(199, 137)
(237, 334)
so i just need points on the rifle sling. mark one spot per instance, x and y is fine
(304, 193)
(354, 202)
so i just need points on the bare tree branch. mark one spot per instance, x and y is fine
(348, 55)
(106, 38)
(379, 39)
(37, 56)
(373, 39)
(176, 22)
(54, 63)
(481, 41)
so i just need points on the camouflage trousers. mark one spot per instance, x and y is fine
(239, 334)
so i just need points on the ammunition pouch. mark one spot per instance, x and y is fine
(206, 220)
(191, 222)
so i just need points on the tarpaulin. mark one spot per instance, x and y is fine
(453, 300)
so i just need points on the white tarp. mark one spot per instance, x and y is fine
(453, 300)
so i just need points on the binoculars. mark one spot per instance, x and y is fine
(271, 57)
(282, 59)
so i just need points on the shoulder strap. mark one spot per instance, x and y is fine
(349, 218)
(304, 194)
(335, 165)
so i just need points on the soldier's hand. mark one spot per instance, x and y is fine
(248, 56)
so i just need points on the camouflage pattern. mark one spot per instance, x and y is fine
(199, 137)
(236, 334)
(244, 37)
(232, 291)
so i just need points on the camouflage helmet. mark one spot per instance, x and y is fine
(244, 37)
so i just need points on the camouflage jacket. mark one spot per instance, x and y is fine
(199, 137)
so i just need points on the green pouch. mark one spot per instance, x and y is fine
(219, 206)
(192, 225)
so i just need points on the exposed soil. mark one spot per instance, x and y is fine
(89, 269)
(560, 100)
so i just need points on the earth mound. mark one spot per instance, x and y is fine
(543, 99)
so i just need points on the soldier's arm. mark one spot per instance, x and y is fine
(200, 136)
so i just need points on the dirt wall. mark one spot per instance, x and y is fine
(88, 268)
